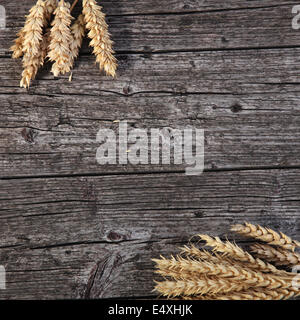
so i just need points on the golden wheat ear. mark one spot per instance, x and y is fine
(200, 254)
(265, 234)
(278, 256)
(231, 250)
(181, 269)
(77, 33)
(100, 37)
(32, 43)
(60, 39)
(250, 294)
(203, 286)
(18, 47)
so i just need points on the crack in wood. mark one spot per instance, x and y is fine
(100, 276)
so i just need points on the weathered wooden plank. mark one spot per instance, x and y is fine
(244, 131)
(269, 26)
(130, 7)
(83, 271)
(233, 72)
(88, 209)
(249, 120)
(56, 233)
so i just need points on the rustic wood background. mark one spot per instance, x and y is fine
(71, 228)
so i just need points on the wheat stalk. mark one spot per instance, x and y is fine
(33, 28)
(59, 48)
(250, 294)
(184, 269)
(77, 32)
(17, 48)
(237, 253)
(266, 234)
(278, 256)
(197, 287)
(195, 253)
(32, 42)
(32, 64)
(100, 37)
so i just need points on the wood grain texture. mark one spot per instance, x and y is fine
(248, 119)
(74, 229)
(58, 233)
(42, 139)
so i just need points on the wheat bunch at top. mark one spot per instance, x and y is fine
(266, 234)
(235, 252)
(63, 45)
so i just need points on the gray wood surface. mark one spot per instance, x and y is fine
(71, 228)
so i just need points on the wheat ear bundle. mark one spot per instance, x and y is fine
(63, 44)
(266, 234)
(236, 253)
(217, 288)
(227, 272)
(100, 37)
(181, 268)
